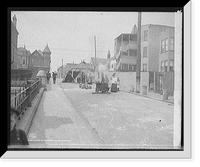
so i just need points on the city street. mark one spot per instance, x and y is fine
(70, 117)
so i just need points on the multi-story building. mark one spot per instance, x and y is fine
(39, 60)
(14, 39)
(150, 53)
(125, 52)
(165, 79)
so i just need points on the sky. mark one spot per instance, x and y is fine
(70, 35)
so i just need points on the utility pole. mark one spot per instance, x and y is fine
(95, 53)
(138, 66)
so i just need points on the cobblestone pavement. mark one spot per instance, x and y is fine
(71, 117)
(124, 120)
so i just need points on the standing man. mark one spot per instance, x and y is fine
(17, 136)
(54, 77)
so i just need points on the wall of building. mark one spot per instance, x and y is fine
(127, 81)
(14, 40)
(168, 55)
(168, 82)
(154, 46)
(144, 60)
(144, 80)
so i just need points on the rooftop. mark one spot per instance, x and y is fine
(46, 49)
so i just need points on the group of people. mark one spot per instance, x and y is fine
(85, 81)
(104, 86)
(48, 75)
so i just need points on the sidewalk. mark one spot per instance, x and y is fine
(27, 117)
(56, 123)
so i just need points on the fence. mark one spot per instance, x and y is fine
(21, 98)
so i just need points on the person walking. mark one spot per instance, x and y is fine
(54, 77)
(17, 136)
(114, 83)
(48, 76)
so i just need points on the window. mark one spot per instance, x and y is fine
(166, 44)
(124, 53)
(125, 67)
(144, 67)
(144, 51)
(146, 35)
(171, 44)
(166, 65)
(162, 46)
(162, 66)
(133, 37)
(132, 52)
(134, 67)
(130, 67)
(24, 61)
(171, 65)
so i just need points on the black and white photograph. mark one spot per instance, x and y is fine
(96, 80)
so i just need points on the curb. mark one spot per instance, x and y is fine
(152, 98)
(26, 121)
(147, 97)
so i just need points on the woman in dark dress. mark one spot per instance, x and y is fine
(114, 83)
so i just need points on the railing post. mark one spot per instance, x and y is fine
(29, 90)
(15, 98)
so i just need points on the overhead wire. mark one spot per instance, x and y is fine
(74, 50)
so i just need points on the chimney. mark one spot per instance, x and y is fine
(15, 20)
(108, 55)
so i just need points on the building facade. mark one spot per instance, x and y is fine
(15, 63)
(125, 52)
(165, 79)
(150, 54)
(40, 60)
(166, 55)
(23, 56)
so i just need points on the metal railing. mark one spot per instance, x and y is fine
(23, 97)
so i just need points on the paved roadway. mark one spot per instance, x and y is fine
(70, 117)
